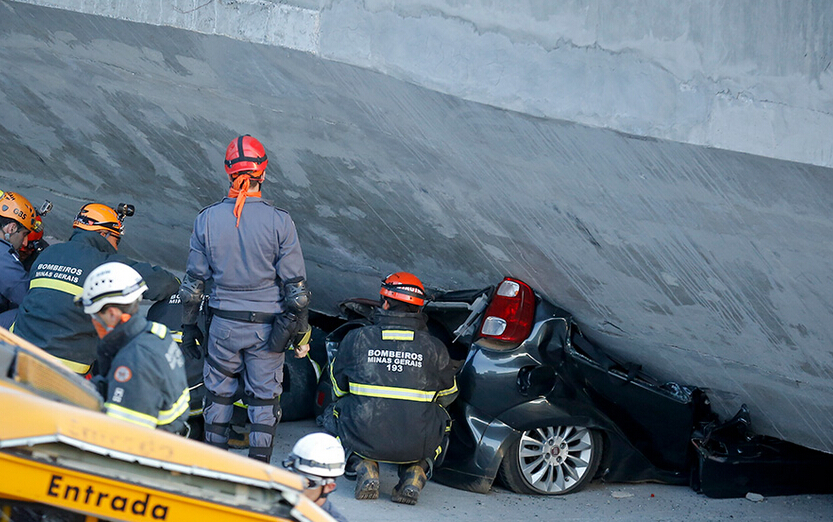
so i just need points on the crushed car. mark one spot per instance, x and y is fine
(545, 410)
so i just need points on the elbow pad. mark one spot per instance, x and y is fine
(296, 297)
(190, 293)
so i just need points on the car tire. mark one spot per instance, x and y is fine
(299, 383)
(300, 379)
(553, 460)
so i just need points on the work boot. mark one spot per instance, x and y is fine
(350, 467)
(367, 480)
(411, 481)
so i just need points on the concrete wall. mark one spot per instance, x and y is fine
(746, 75)
(709, 267)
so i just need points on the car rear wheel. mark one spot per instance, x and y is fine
(554, 460)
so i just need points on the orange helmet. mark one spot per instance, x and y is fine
(245, 154)
(404, 287)
(95, 216)
(16, 207)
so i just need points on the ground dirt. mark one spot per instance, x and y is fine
(599, 501)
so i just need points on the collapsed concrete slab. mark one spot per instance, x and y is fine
(709, 267)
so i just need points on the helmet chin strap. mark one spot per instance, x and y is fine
(101, 328)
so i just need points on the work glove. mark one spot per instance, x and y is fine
(283, 331)
(193, 341)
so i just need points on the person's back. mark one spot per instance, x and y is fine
(393, 368)
(250, 252)
(391, 380)
(48, 317)
(244, 260)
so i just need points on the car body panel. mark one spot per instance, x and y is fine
(559, 377)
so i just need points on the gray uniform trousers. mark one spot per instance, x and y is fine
(231, 344)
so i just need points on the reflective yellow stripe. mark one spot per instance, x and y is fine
(61, 286)
(306, 338)
(158, 329)
(338, 391)
(390, 392)
(316, 367)
(76, 366)
(453, 389)
(179, 407)
(131, 416)
(397, 335)
(194, 413)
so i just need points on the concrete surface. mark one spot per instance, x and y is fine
(710, 267)
(751, 76)
(599, 501)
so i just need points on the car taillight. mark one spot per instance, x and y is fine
(510, 314)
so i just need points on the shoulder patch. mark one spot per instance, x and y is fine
(122, 374)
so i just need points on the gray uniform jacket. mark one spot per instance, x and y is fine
(248, 264)
(145, 375)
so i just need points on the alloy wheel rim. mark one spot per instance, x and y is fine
(554, 459)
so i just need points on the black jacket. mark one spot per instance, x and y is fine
(49, 318)
(144, 371)
(390, 378)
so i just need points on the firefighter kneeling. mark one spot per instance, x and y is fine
(391, 380)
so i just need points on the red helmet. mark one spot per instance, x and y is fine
(36, 234)
(404, 287)
(245, 154)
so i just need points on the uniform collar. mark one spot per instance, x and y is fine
(117, 339)
(93, 239)
(414, 320)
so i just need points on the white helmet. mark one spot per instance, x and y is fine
(111, 283)
(317, 454)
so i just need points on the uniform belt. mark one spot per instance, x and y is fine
(243, 316)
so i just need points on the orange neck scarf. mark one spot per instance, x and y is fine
(240, 190)
(102, 329)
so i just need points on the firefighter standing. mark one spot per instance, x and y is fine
(141, 368)
(48, 318)
(18, 219)
(258, 302)
(391, 380)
